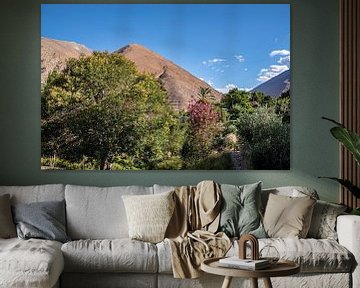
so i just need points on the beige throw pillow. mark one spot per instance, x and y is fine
(148, 215)
(7, 226)
(288, 217)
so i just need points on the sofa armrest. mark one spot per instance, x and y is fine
(348, 230)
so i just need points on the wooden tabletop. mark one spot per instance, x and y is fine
(281, 268)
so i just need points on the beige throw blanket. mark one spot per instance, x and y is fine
(191, 231)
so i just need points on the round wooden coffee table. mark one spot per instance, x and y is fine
(281, 268)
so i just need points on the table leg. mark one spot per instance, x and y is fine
(227, 282)
(267, 283)
(254, 282)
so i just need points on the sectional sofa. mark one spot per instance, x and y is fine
(100, 253)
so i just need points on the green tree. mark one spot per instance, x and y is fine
(101, 107)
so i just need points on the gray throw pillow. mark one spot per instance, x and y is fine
(44, 220)
(240, 213)
(7, 227)
(323, 222)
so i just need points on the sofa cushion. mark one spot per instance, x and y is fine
(313, 255)
(323, 222)
(30, 263)
(163, 188)
(291, 191)
(98, 213)
(35, 193)
(287, 216)
(7, 227)
(149, 215)
(117, 255)
(240, 210)
(43, 220)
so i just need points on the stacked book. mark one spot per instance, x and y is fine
(248, 264)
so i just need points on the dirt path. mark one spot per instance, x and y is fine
(237, 159)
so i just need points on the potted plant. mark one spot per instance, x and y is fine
(351, 141)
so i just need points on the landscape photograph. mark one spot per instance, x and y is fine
(165, 87)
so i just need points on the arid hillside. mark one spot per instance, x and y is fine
(54, 54)
(179, 83)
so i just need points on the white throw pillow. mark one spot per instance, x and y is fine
(149, 215)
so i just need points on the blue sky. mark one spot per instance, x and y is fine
(226, 45)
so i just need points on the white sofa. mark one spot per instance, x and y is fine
(101, 254)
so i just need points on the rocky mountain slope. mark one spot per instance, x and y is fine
(54, 54)
(180, 84)
(275, 86)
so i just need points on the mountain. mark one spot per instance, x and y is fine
(54, 54)
(179, 83)
(276, 85)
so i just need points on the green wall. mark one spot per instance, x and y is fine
(314, 88)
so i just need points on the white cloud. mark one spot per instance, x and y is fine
(245, 69)
(284, 60)
(230, 86)
(227, 88)
(240, 58)
(213, 61)
(266, 74)
(282, 52)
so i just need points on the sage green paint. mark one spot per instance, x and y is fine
(314, 88)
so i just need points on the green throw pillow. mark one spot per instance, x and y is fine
(240, 213)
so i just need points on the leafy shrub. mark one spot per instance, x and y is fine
(265, 138)
(218, 161)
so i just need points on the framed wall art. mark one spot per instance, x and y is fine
(165, 86)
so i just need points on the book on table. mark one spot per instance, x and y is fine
(236, 262)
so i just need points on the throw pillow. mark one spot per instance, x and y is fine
(149, 215)
(288, 217)
(240, 213)
(323, 222)
(7, 227)
(43, 220)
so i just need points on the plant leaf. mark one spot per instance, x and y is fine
(349, 139)
(347, 184)
(333, 121)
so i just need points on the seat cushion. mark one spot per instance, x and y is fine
(313, 255)
(117, 255)
(30, 263)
